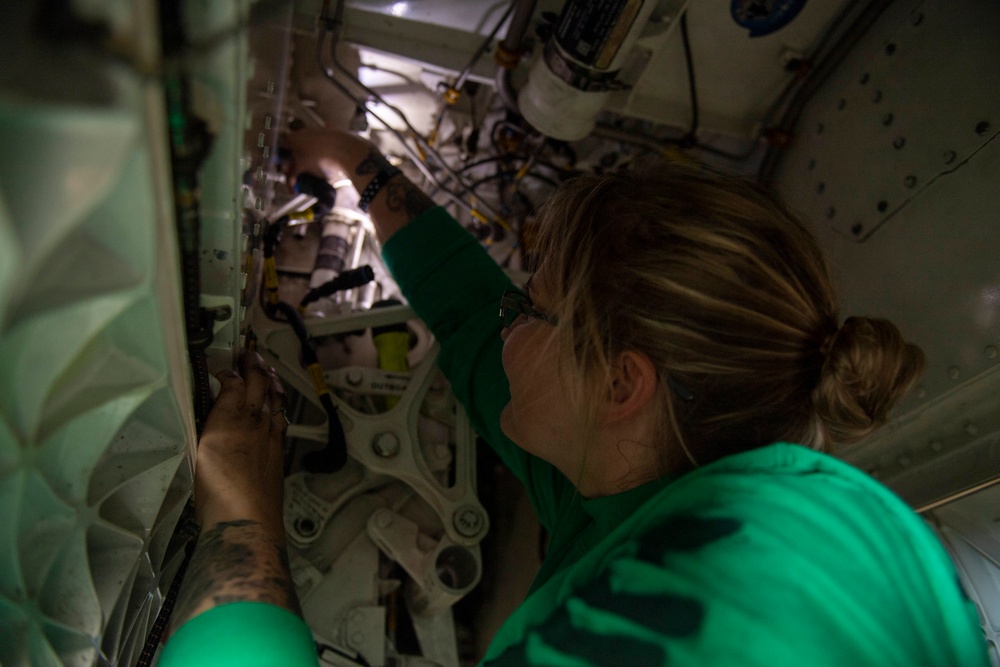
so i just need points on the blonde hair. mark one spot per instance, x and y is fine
(728, 293)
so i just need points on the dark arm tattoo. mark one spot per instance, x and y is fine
(402, 196)
(236, 561)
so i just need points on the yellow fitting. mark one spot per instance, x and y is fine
(318, 381)
(451, 95)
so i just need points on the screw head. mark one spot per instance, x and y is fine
(898, 142)
(354, 376)
(468, 521)
(950, 156)
(910, 181)
(990, 351)
(954, 372)
(887, 119)
(386, 444)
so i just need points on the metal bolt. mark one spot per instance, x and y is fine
(468, 521)
(910, 181)
(990, 351)
(954, 373)
(887, 119)
(950, 156)
(386, 444)
(355, 376)
(267, 122)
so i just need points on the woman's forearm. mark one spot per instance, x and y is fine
(236, 561)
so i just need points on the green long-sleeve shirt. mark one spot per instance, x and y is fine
(778, 556)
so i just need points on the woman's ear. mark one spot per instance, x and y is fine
(634, 383)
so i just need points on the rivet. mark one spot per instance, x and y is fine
(820, 187)
(936, 445)
(882, 206)
(468, 521)
(990, 351)
(857, 228)
(384, 519)
(916, 19)
(841, 104)
(811, 165)
(971, 429)
(354, 376)
(267, 122)
(887, 119)
(910, 181)
(831, 213)
(950, 156)
(890, 49)
(877, 97)
(357, 639)
(865, 78)
(954, 373)
(386, 444)
(260, 140)
(921, 391)
(982, 127)
(898, 142)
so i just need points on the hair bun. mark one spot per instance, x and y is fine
(868, 369)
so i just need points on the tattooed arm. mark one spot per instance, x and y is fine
(240, 555)
(333, 152)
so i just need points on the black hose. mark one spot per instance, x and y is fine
(334, 456)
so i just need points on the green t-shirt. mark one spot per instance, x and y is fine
(778, 556)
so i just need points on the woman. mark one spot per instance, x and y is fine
(680, 331)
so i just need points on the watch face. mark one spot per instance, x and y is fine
(762, 17)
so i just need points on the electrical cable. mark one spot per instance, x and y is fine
(332, 26)
(417, 160)
(685, 37)
(464, 74)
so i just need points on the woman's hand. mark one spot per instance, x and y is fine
(238, 492)
(239, 471)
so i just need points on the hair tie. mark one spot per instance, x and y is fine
(828, 344)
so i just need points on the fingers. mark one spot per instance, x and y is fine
(257, 381)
